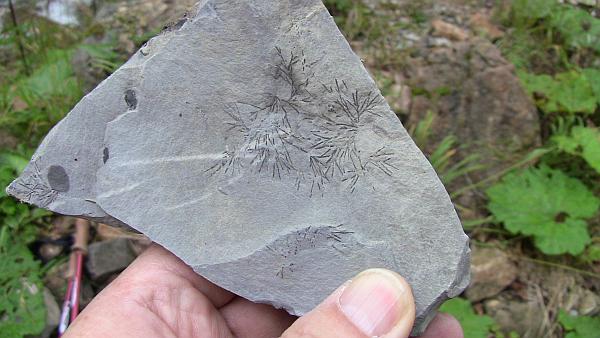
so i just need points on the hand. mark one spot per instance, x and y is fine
(160, 296)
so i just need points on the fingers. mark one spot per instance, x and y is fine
(376, 303)
(249, 320)
(443, 325)
(156, 296)
(157, 260)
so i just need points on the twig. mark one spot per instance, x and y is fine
(13, 15)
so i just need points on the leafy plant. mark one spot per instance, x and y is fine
(592, 253)
(37, 102)
(547, 37)
(21, 297)
(579, 327)
(583, 142)
(442, 158)
(37, 88)
(569, 92)
(577, 27)
(474, 325)
(569, 25)
(546, 204)
(593, 77)
(356, 20)
(102, 56)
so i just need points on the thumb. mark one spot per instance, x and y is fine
(376, 303)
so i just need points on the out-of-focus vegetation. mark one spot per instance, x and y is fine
(547, 203)
(38, 86)
(556, 50)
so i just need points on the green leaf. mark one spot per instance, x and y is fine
(43, 83)
(574, 93)
(473, 325)
(578, 28)
(592, 254)
(584, 142)
(579, 327)
(546, 204)
(534, 9)
(15, 162)
(569, 236)
(21, 297)
(569, 92)
(593, 77)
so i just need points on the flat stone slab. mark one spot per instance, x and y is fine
(250, 141)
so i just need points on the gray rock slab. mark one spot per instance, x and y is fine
(250, 141)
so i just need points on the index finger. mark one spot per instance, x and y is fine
(157, 261)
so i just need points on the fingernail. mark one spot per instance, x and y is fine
(374, 301)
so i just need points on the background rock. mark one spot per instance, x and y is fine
(491, 272)
(527, 319)
(479, 99)
(56, 281)
(107, 257)
(52, 314)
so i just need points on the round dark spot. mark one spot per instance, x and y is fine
(105, 155)
(58, 178)
(75, 160)
(180, 115)
(131, 99)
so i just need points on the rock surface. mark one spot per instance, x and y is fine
(56, 281)
(526, 319)
(491, 272)
(479, 98)
(250, 141)
(107, 257)
(52, 314)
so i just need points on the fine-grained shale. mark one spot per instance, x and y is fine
(250, 141)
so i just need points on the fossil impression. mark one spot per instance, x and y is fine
(250, 141)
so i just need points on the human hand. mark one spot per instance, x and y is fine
(160, 296)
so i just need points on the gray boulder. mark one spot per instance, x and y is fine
(250, 141)
(107, 257)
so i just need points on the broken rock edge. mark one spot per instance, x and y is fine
(136, 64)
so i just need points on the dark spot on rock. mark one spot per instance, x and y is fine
(131, 99)
(105, 155)
(180, 115)
(75, 160)
(58, 178)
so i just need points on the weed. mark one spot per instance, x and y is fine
(579, 327)
(443, 157)
(546, 204)
(474, 326)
